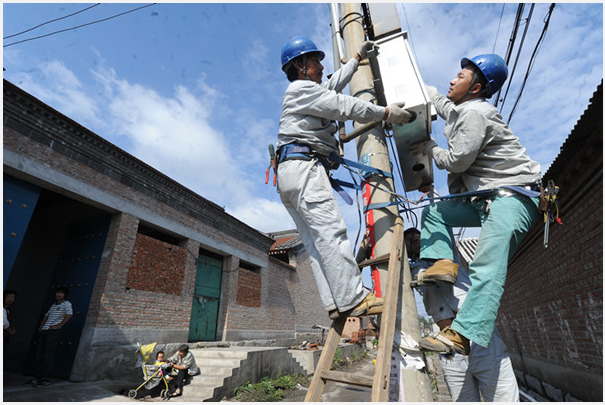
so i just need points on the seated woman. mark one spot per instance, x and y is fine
(183, 362)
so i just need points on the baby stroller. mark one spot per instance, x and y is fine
(153, 375)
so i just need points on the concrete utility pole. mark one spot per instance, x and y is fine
(416, 386)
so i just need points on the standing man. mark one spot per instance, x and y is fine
(486, 372)
(306, 141)
(50, 332)
(483, 154)
(9, 330)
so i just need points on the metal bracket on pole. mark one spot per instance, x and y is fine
(344, 138)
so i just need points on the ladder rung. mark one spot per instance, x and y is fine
(347, 378)
(376, 260)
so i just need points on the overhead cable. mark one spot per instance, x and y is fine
(511, 44)
(498, 31)
(532, 59)
(409, 31)
(51, 21)
(80, 26)
(510, 77)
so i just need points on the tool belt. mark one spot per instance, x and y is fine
(302, 152)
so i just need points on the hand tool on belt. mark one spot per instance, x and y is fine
(549, 207)
(272, 164)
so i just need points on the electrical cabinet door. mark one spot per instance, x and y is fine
(401, 81)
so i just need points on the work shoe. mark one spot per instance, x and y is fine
(370, 305)
(446, 341)
(441, 270)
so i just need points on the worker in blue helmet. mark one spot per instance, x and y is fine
(307, 126)
(483, 154)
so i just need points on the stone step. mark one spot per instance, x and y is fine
(219, 353)
(194, 394)
(215, 371)
(219, 362)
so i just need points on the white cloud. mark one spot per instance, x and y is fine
(56, 85)
(264, 215)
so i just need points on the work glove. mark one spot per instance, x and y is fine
(423, 147)
(365, 47)
(397, 115)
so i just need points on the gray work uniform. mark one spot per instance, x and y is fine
(483, 154)
(308, 114)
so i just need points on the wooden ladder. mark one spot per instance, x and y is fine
(380, 382)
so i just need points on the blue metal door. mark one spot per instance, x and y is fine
(206, 295)
(77, 269)
(20, 199)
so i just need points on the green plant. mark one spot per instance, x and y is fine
(268, 389)
(338, 361)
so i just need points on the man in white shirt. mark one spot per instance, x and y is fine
(50, 332)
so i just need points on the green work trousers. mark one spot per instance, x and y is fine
(502, 229)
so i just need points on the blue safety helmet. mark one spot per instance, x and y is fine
(493, 68)
(296, 47)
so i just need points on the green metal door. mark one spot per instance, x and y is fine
(204, 312)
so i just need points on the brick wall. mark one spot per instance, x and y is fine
(124, 297)
(551, 313)
(157, 266)
(249, 286)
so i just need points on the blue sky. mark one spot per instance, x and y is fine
(195, 90)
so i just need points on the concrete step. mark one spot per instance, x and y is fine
(219, 362)
(219, 353)
(194, 394)
(206, 380)
(215, 371)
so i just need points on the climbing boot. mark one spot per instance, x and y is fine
(370, 305)
(441, 270)
(446, 341)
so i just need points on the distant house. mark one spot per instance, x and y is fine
(145, 259)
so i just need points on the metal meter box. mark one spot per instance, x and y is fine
(400, 80)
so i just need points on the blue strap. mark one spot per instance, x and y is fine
(346, 162)
(341, 192)
(377, 206)
(522, 190)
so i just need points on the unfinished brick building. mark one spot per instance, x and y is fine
(146, 259)
(551, 315)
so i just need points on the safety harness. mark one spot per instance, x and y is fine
(547, 196)
(330, 162)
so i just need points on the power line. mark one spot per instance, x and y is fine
(511, 44)
(409, 31)
(51, 21)
(510, 78)
(498, 31)
(80, 26)
(532, 59)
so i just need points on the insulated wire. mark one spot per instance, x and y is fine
(79, 26)
(498, 31)
(51, 21)
(409, 30)
(511, 44)
(510, 78)
(532, 60)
